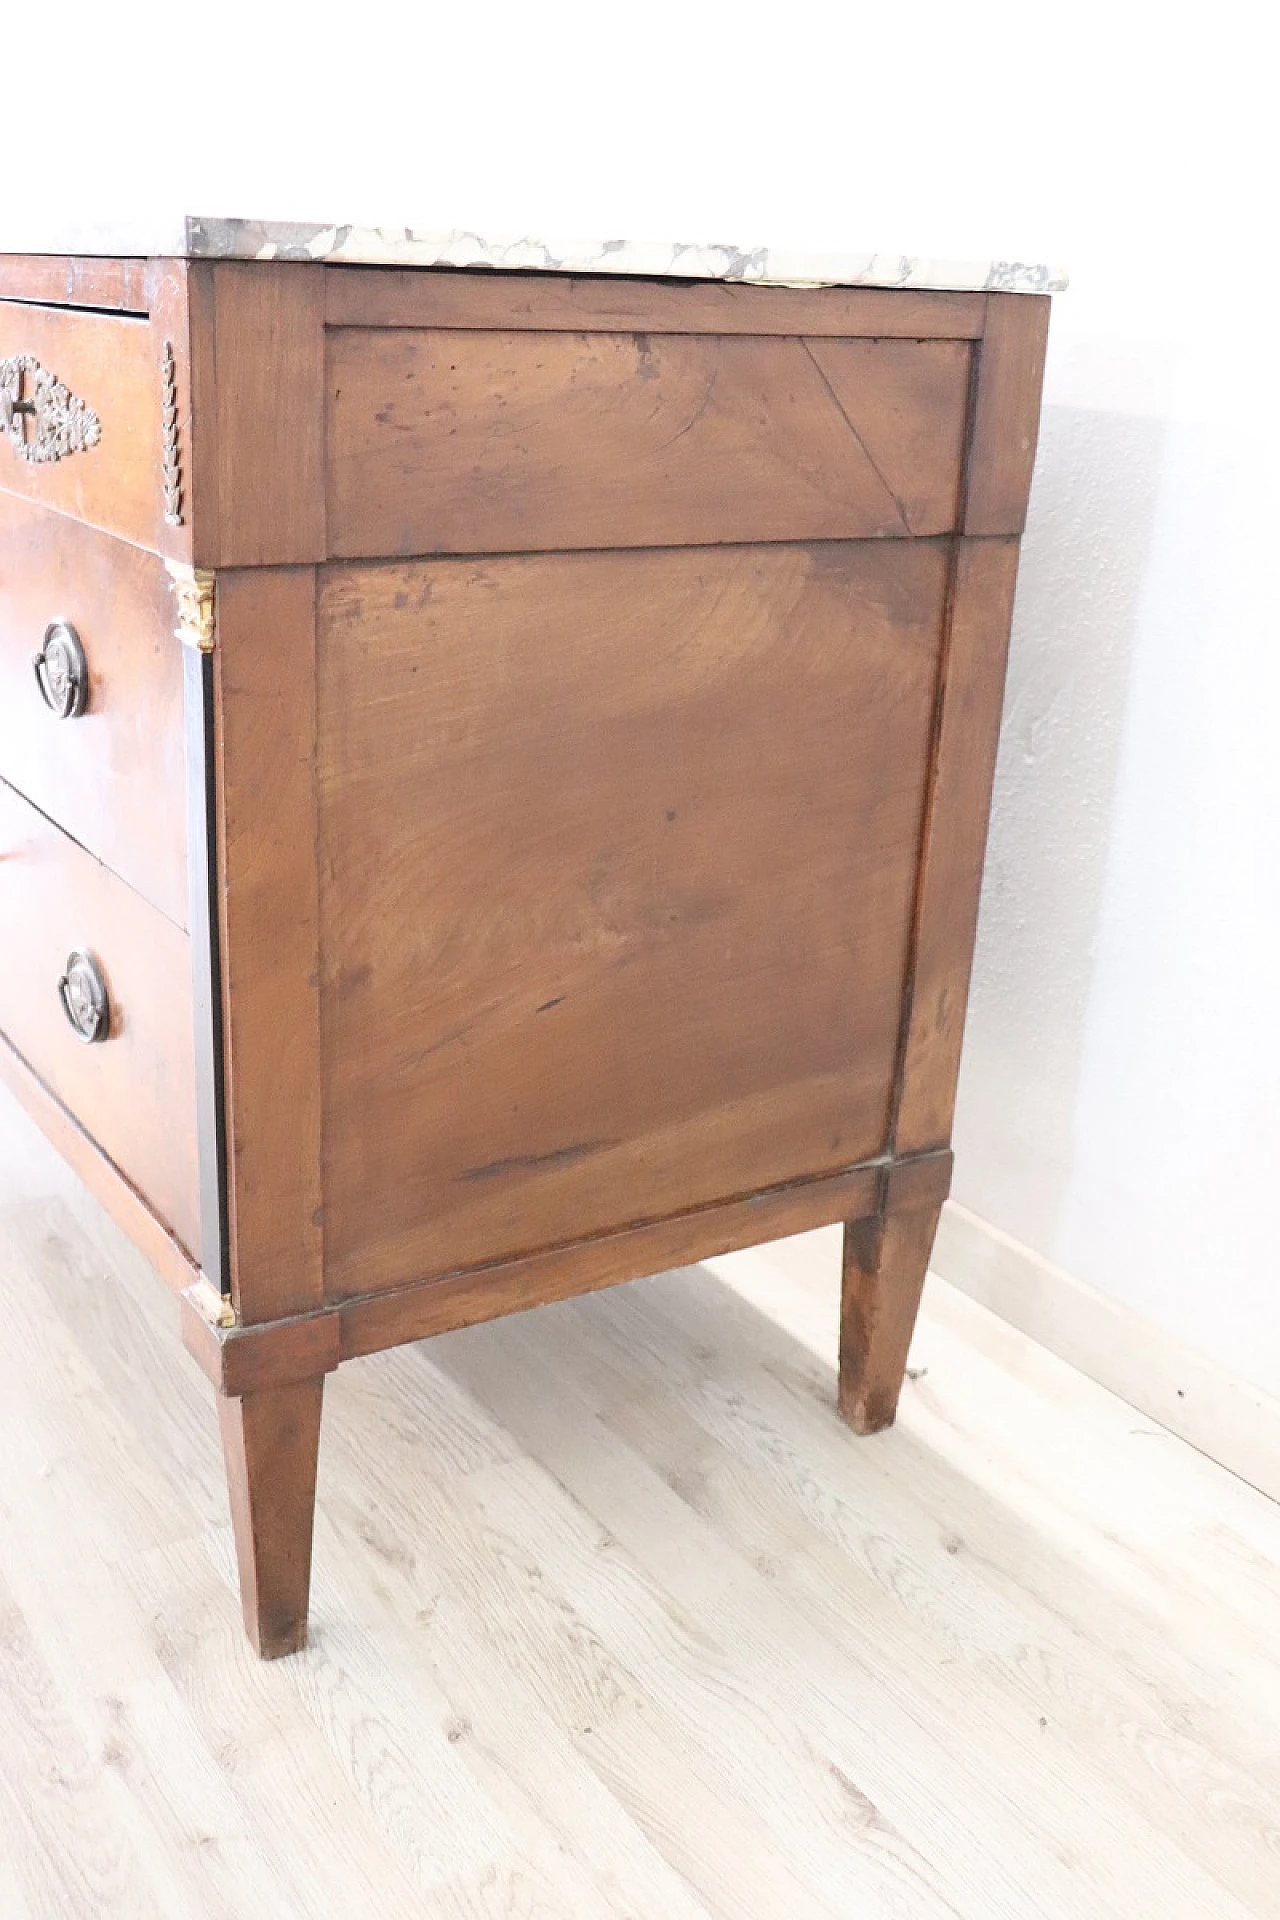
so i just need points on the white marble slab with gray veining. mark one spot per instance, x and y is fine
(207, 239)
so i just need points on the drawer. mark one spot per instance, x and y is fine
(456, 441)
(86, 438)
(133, 1091)
(113, 775)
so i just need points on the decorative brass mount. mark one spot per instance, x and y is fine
(171, 459)
(193, 589)
(60, 424)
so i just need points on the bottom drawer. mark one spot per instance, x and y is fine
(132, 1089)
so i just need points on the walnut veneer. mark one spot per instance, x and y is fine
(527, 810)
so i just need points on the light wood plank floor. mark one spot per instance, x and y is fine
(612, 1617)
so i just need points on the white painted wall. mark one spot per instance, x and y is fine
(1119, 1100)
(1118, 1106)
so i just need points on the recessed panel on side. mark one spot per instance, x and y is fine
(463, 441)
(617, 867)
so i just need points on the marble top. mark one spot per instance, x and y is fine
(200, 238)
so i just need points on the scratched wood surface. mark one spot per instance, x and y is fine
(457, 441)
(617, 861)
(574, 303)
(613, 1618)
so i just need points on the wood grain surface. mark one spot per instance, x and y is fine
(256, 358)
(570, 303)
(134, 1092)
(65, 280)
(884, 1267)
(1006, 413)
(113, 777)
(182, 345)
(271, 1442)
(265, 694)
(371, 1321)
(955, 841)
(239, 1358)
(112, 363)
(457, 441)
(618, 857)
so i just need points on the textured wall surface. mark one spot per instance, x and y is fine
(1120, 1098)
(1119, 1107)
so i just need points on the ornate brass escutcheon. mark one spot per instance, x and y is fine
(41, 418)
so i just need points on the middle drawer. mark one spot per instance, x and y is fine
(113, 774)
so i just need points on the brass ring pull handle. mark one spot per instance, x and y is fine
(83, 992)
(41, 418)
(62, 672)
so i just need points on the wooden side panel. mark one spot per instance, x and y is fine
(914, 434)
(240, 1359)
(372, 1321)
(257, 381)
(463, 442)
(113, 775)
(618, 863)
(265, 699)
(552, 302)
(108, 362)
(134, 1092)
(1006, 418)
(955, 838)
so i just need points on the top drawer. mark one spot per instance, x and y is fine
(455, 441)
(80, 416)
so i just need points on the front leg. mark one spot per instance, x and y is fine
(885, 1262)
(271, 1440)
(269, 1378)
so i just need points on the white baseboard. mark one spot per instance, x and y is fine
(1236, 1424)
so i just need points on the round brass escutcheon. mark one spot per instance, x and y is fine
(62, 672)
(83, 992)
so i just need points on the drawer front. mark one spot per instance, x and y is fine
(80, 416)
(455, 441)
(112, 774)
(133, 1091)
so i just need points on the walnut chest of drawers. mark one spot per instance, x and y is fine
(494, 771)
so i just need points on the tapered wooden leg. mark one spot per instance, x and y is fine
(271, 1439)
(885, 1261)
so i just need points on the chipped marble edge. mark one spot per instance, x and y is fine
(760, 266)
